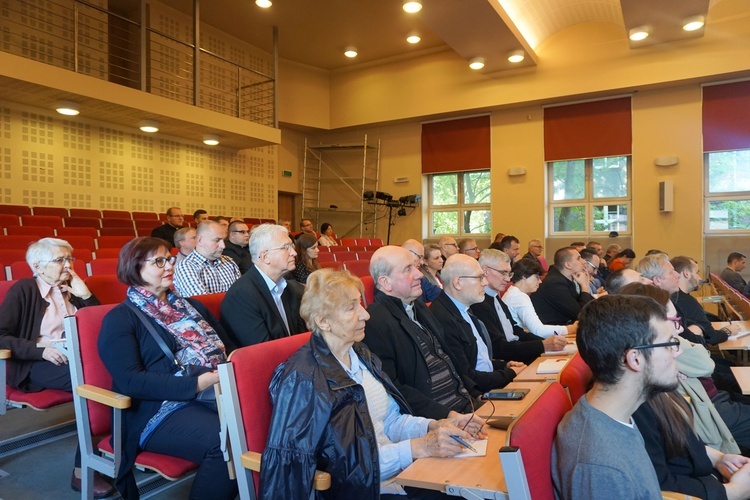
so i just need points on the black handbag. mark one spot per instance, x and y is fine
(206, 396)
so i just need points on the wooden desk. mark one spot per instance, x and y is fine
(742, 344)
(450, 475)
(530, 375)
(742, 374)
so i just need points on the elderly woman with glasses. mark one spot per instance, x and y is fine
(526, 281)
(162, 350)
(32, 314)
(335, 410)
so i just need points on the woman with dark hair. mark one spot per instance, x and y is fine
(307, 257)
(622, 259)
(326, 236)
(525, 281)
(151, 344)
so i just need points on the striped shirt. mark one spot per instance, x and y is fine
(196, 275)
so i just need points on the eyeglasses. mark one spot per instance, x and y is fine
(421, 257)
(677, 322)
(62, 260)
(479, 277)
(160, 262)
(509, 274)
(592, 265)
(674, 344)
(473, 249)
(241, 232)
(177, 216)
(536, 246)
(451, 245)
(288, 247)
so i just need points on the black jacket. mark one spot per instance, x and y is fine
(240, 255)
(463, 350)
(526, 349)
(165, 232)
(320, 421)
(557, 302)
(391, 335)
(249, 313)
(692, 313)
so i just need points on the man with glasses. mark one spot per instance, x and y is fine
(206, 270)
(429, 290)
(466, 337)
(629, 345)
(262, 305)
(166, 231)
(469, 247)
(448, 247)
(509, 341)
(236, 245)
(592, 269)
(564, 291)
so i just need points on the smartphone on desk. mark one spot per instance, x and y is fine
(506, 394)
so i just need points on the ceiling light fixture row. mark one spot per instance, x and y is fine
(515, 57)
(692, 23)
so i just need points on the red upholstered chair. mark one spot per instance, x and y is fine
(8, 257)
(103, 266)
(246, 404)
(58, 211)
(87, 212)
(152, 216)
(107, 253)
(42, 220)
(107, 288)
(118, 231)
(117, 223)
(342, 256)
(113, 214)
(346, 242)
(333, 264)
(369, 284)
(97, 407)
(358, 267)
(527, 459)
(86, 242)
(338, 248)
(358, 248)
(15, 209)
(82, 222)
(212, 301)
(18, 241)
(326, 257)
(361, 242)
(366, 255)
(376, 242)
(112, 241)
(576, 376)
(62, 232)
(37, 231)
(144, 227)
(9, 220)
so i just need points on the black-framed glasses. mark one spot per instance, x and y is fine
(677, 322)
(479, 277)
(160, 262)
(451, 244)
(420, 257)
(62, 260)
(241, 232)
(509, 274)
(472, 249)
(674, 344)
(287, 246)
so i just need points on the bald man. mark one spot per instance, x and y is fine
(448, 247)
(429, 291)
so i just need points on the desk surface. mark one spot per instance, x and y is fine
(484, 473)
(741, 344)
(742, 374)
(529, 374)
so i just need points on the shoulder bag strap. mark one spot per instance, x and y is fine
(150, 327)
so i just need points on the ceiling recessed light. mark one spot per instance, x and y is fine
(413, 39)
(263, 4)
(693, 23)
(149, 126)
(67, 108)
(476, 63)
(412, 7)
(638, 34)
(211, 140)
(516, 56)
(350, 52)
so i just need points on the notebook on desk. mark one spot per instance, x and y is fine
(739, 335)
(551, 366)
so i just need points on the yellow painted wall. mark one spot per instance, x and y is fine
(303, 95)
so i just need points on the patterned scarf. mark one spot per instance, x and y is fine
(198, 342)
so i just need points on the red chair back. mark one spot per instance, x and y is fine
(113, 214)
(144, 227)
(367, 255)
(376, 242)
(17, 242)
(15, 209)
(37, 231)
(103, 266)
(107, 288)
(42, 220)
(86, 242)
(4, 287)
(253, 368)
(358, 267)
(108, 253)
(117, 231)
(332, 264)
(62, 232)
(534, 434)
(117, 223)
(113, 241)
(57, 211)
(82, 222)
(89, 213)
(342, 256)
(152, 216)
(348, 242)
(212, 301)
(369, 284)
(363, 242)
(9, 220)
(20, 269)
(326, 257)
(576, 376)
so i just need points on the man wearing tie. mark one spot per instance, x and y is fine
(466, 337)
(509, 341)
(262, 305)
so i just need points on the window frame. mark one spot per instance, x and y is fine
(588, 201)
(709, 197)
(459, 207)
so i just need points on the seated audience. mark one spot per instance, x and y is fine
(429, 290)
(164, 416)
(509, 341)
(184, 241)
(731, 273)
(433, 263)
(598, 452)
(408, 339)
(466, 337)
(263, 305)
(564, 291)
(166, 231)
(236, 245)
(33, 312)
(469, 247)
(622, 259)
(525, 282)
(326, 236)
(511, 246)
(199, 216)
(335, 408)
(206, 270)
(306, 262)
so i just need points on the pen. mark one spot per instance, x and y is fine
(464, 443)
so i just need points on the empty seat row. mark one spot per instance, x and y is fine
(20, 210)
(22, 241)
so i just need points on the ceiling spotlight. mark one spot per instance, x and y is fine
(149, 126)
(516, 56)
(211, 140)
(413, 39)
(476, 63)
(638, 34)
(67, 108)
(694, 23)
(350, 52)
(412, 7)
(263, 4)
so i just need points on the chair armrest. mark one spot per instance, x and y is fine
(4, 353)
(671, 495)
(251, 460)
(103, 396)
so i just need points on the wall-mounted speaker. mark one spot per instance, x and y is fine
(666, 196)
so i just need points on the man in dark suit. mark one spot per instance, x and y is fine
(409, 341)
(466, 337)
(509, 341)
(564, 291)
(262, 305)
(166, 231)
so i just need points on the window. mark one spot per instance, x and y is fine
(589, 196)
(460, 203)
(727, 194)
